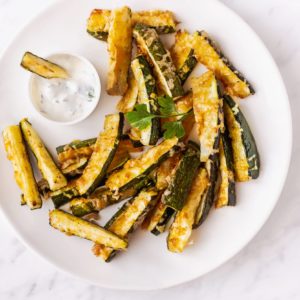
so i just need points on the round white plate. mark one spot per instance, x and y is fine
(147, 264)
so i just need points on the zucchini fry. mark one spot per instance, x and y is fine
(126, 220)
(181, 228)
(149, 44)
(161, 21)
(182, 179)
(210, 55)
(246, 161)
(72, 225)
(17, 154)
(137, 168)
(207, 108)
(119, 44)
(103, 154)
(226, 194)
(146, 95)
(49, 170)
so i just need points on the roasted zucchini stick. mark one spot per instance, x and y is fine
(146, 95)
(17, 154)
(182, 179)
(246, 162)
(46, 164)
(102, 197)
(183, 55)
(161, 21)
(159, 218)
(149, 43)
(137, 168)
(119, 44)
(208, 198)
(76, 145)
(72, 225)
(207, 108)
(127, 219)
(210, 55)
(129, 99)
(103, 154)
(42, 67)
(226, 194)
(181, 228)
(164, 171)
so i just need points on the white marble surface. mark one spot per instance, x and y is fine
(268, 268)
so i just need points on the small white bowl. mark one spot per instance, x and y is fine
(59, 109)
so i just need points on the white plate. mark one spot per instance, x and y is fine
(147, 263)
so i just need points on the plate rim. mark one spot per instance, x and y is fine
(259, 226)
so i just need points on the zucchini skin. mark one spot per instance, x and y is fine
(207, 103)
(182, 180)
(207, 201)
(149, 43)
(42, 67)
(119, 45)
(82, 206)
(72, 225)
(23, 173)
(226, 194)
(102, 156)
(46, 164)
(127, 219)
(181, 228)
(146, 95)
(246, 160)
(138, 168)
(211, 56)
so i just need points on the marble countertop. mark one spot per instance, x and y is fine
(268, 268)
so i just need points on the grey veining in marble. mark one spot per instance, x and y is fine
(268, 268)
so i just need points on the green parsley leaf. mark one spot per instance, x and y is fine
(139, 118)
(167, 106)
(173, 129)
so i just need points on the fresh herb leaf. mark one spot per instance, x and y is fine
(139, 118)
(173, 129)
(167, 106)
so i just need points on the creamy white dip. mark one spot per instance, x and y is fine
(67, 100)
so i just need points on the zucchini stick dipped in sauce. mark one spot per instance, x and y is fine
(127, 219)
(182, 226)
(246, 161)
(72, 225)
(149, 44)
(49, 170)
(42, 67)
(119, 44)
(17, 154)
